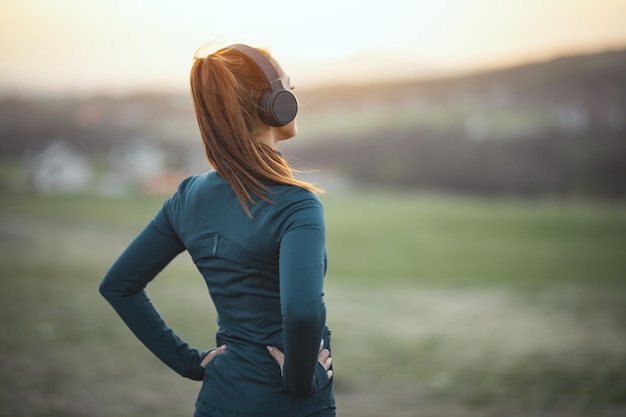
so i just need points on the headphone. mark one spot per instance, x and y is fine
(279, 105)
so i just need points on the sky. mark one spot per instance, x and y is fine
(120, 46)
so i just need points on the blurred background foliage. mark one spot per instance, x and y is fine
(553, 128)
(476, 236)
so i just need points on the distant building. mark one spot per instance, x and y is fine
(59, 168)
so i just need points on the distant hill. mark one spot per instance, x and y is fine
(546, 78)
(544, 95)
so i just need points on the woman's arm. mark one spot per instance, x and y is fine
(123, 287)
(302, 267)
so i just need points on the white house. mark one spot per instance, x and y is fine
(59, 168)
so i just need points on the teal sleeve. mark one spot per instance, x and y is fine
(123, 287)
(302, 267)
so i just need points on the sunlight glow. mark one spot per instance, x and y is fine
(115, 45)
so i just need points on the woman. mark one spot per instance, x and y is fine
(257, 236)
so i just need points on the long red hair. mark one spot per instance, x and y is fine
(226, 88)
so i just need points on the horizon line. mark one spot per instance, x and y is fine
(439, 74)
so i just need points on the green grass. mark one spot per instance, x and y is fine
(426, 239)
(440, 306)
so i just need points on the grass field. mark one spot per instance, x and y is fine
(440, 306)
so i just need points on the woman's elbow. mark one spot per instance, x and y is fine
(105, 289)
(109, 289)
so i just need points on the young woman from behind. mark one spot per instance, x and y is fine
(257, 236)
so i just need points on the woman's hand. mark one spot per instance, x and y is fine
(323, 358)
(212, 354)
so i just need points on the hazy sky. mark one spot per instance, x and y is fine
(67, 46)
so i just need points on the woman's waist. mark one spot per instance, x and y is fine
(249, 339)
(257, 341)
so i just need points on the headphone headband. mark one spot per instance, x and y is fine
(278, 106)
(260, 60)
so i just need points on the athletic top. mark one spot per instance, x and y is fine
(265, 276)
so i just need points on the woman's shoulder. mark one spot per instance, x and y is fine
(294, 193)
(193, 187)
(294, 202)
(199, 180)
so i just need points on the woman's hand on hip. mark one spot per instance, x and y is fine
(211, 355)
(323, 358)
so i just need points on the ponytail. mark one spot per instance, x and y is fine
(226, 88)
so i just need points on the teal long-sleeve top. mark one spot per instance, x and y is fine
(265, 275)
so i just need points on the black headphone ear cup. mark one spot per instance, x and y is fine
(266, 108)
(278, 107)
